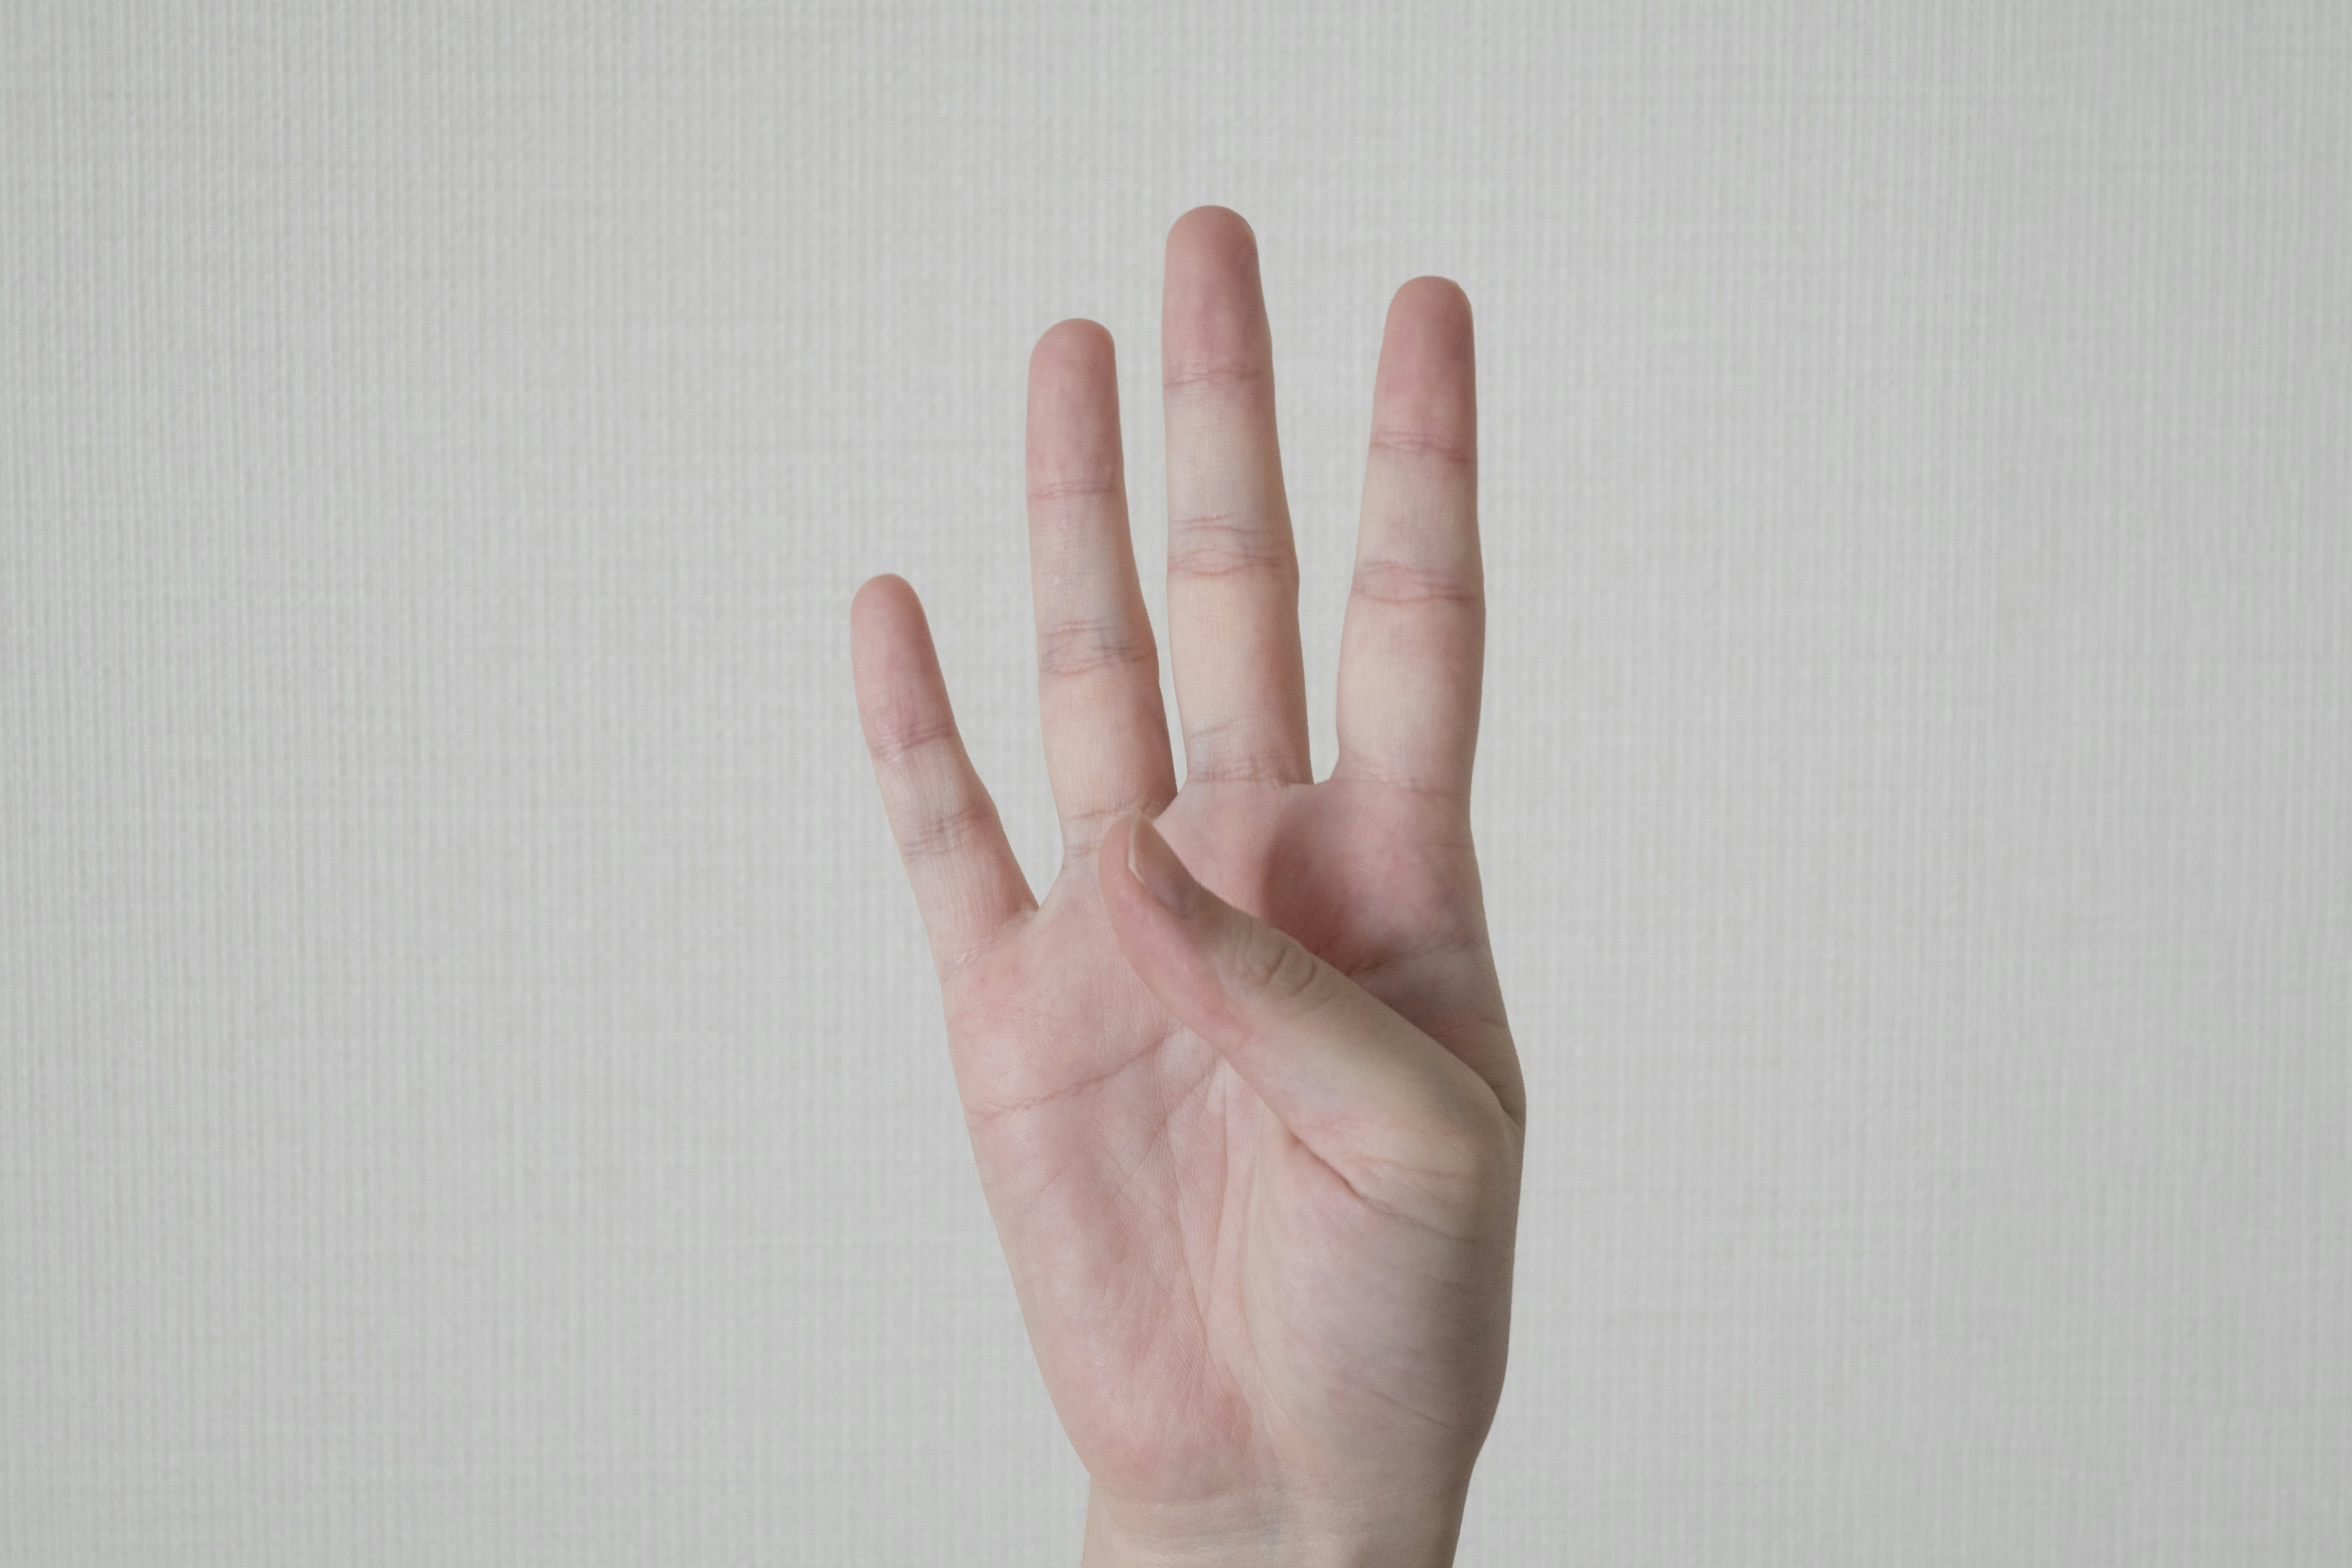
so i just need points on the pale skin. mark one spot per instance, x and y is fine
(1244, 1097)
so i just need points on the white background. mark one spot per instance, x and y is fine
(472, 1088)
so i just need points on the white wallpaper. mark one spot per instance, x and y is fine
(472, 1090)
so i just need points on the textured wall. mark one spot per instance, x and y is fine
(471, 1085)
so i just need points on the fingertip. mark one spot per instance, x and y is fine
(1213, 307)
(1077, 340)
(881, 601)
(1073, 386)
(1163, 920)
(889, 637)
(1433, 294)
(1213, 231)
(1115, 874)
(1157, 866)
(1127, 906)
(1425, 392)
(1144, 879)
(1429, 319)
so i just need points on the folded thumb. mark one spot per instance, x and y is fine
(1348, 1076)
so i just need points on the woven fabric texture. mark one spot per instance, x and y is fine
(472, 1087)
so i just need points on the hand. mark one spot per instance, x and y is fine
(1243, 1095)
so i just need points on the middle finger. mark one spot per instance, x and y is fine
(1233, 572)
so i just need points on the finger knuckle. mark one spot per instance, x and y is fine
(1083, 646)
(1412, 585)
(1275, 968)
(1462, 1156)
(948, 830)
(1228, 543)
(901, 733)
(1469, 1151)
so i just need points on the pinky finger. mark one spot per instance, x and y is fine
(967, 882)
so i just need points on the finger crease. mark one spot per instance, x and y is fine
(1219, 544)
(945, 833)
(1076, 489)
(895, 741)
(1400, 582)
(1213, 375)
(1411, 444)
(1080, 646)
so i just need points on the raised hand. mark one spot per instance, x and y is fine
(1243, 1094)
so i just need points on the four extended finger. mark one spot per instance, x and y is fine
(1412, 648)
(967, 882)
(1232, 571)
(1106, 728)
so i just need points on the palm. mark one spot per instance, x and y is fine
(1214, 1304)
(1129, 1168)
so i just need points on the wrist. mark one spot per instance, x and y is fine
(1393, 1533)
